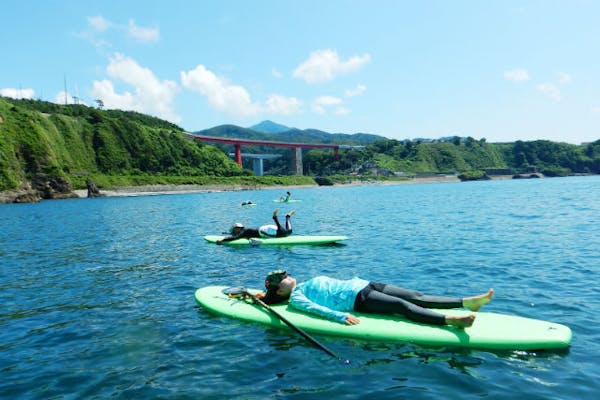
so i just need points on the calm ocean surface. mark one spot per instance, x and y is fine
(96, 295)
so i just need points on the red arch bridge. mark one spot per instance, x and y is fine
(297, 147)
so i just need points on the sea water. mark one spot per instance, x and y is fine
(96, 295)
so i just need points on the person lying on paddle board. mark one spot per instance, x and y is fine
(334, 299)
(239, 231)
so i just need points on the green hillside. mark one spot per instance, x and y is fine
(280, 166)
(51, 149)
(290, 135)
(41, 142)
(456, 155)
(406, 157)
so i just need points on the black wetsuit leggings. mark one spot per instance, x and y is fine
(281, 231)
(379, 298)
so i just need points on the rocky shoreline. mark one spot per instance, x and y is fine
(29, 194)
(178, 189)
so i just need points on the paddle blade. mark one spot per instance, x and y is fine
(236, 291)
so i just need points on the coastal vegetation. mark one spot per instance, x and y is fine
(53, 149)
(460, 155)
(378, 157)
(55, 146)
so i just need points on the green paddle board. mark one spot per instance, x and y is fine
(286, 201)
(490, 330)
(292, 239)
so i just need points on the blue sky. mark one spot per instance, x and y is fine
(500, 70)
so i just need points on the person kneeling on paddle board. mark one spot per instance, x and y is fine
(334, 298)
(238, 231)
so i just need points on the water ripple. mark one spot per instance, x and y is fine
(97, 295)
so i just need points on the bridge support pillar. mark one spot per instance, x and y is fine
(257, 167)
(297, 161)
(238, 154)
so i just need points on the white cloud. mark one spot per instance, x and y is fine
(325, 65)
(17, 93)
(143, 34)
(223, 96)
(99, 23)
(99, 26)
(234, 99)
(564, 78)
(517, 75)
(150, 96)
(62, 97)
(549, 90)
(596, 109)
(105, 91)
(357, 91)
(320, 104)
(281, 105)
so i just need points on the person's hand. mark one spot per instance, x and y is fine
(352, 320)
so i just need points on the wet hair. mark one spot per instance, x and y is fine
(272, 285)
(272, 297)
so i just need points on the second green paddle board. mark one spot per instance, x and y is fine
(292, 239)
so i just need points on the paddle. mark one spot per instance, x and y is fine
(241, 291)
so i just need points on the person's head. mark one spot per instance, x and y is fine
(237, 228)
(279, 286)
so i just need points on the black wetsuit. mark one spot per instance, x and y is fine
(245, 233)
(249, 233)
(281, 231)
(380, 298)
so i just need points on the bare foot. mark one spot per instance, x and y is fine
(460, 322)
(275, 213)
(290, 213)
(474, 303)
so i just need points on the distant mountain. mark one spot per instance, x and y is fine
(237, 132)
(291, 135)
(269, 127)
(315, 135)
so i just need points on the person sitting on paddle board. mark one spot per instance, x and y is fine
(239, 231)
(334, 298)
(286, 198)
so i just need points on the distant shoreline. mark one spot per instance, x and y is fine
(149, 190)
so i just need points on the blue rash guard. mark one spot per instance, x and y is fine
(327, 297)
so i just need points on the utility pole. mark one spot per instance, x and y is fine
(65, 89)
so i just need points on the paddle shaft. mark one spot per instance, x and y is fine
(294, 327)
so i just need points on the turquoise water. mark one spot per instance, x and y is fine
(96, 295)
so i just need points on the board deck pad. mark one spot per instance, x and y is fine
(490, 330)
(292, 239)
